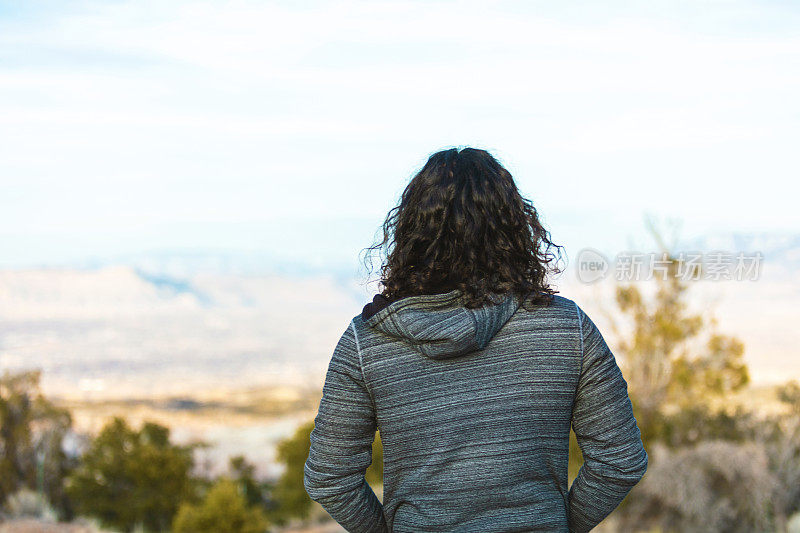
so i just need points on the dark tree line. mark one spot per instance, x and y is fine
(129, 478)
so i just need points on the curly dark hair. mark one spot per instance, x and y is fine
(462, 224)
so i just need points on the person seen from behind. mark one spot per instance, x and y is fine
(474, 369)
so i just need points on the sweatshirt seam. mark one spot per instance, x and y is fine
(580, 332)
(580, 372)
(361, 363)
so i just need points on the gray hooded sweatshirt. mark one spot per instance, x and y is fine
(474, 409)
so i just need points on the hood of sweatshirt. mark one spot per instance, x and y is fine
(438, 325)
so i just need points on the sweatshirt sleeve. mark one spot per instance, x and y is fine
(609, 438)
(341, 444)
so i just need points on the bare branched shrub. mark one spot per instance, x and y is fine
(716, 486)
(782, 446)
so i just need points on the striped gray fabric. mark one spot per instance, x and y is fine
(474, 408)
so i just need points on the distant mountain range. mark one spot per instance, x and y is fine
(119, 331)
(782, 250)
(174, 321)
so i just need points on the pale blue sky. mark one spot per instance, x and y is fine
(291, 127)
